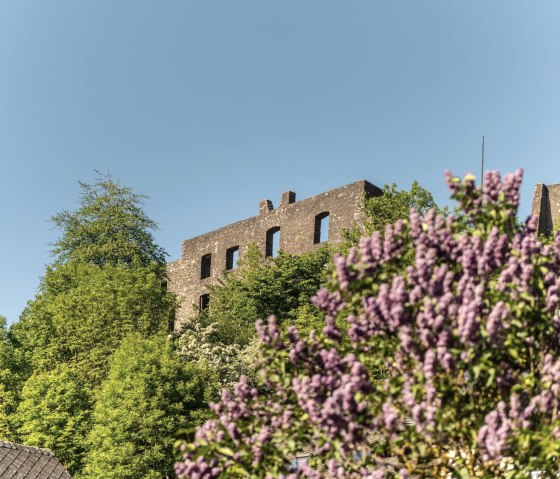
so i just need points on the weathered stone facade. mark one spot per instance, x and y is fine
(546, 206)
(298, 223)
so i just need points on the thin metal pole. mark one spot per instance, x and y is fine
(482, 164)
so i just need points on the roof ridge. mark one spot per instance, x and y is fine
(22, 447)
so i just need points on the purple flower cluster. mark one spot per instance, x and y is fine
(496, 198)
(494, 435)
(326, 385)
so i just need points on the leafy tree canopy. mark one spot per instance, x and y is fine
(13, 372)
(83, 312)
(148, 394)
(392, 205)
(395, 204)
(258, 288)
(223, 339)
(53, 413)
(109, 227)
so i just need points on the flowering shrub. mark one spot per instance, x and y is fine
(439, 358)
(227, 361)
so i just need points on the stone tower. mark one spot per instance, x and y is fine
(546, 206)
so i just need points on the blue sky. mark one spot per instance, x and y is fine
(208, 106)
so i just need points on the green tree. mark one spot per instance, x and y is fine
(392, 205)
(107, 281)
(83, 311)
(13, 373)
(109, 227)
(222, 338)
(278, 286)
(147, 396)
(395, 204)
(53, 413)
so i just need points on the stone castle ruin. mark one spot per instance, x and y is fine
(294, 227)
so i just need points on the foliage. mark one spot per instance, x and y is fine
(392, 205)
(229, 361)
(109, 227)
(148, 393)
(53, 414)
(468, 335)
(222, 338)
(257, 289)
(12, 375)
(83, 311)
(7, 399)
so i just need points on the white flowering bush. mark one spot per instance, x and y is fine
(228, 361)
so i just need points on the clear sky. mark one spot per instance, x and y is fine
(208, 106)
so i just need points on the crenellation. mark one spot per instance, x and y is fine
(287, 198)
(265, 206)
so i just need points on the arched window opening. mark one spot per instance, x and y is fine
(321, 228)
(232, 255)
(204, 301)
(273, 242)
(205, 266)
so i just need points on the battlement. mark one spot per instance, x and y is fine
(294, 227)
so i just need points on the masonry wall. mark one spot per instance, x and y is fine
(296, 220)
(546, 206)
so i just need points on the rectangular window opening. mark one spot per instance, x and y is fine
(232, 255)
(205, 266)
(204, 301)
(273, 242)
(321, 228)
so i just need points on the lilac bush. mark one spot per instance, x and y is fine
(439, 358)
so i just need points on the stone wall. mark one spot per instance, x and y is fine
(546, 206)
(297, 222)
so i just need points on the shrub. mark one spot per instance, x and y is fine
(439, 358)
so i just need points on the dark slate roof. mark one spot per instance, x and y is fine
(25, 462)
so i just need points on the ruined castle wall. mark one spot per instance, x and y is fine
(296, 220)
